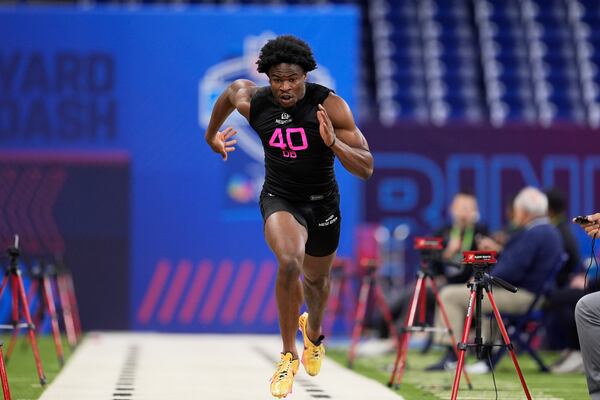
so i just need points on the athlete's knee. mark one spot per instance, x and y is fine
(320, 282)
(290, 266)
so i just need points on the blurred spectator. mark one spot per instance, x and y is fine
(526, 261)
(501, 236)
(459, 235)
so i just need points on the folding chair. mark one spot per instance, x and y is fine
(523, 328)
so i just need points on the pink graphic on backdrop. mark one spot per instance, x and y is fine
(8, 178)
(27, 201)
(195, 293)
(21, 201)
(215, 297)
(161, 273)
(182, 273)
(169, 297)
(259, 290)
(237, 292)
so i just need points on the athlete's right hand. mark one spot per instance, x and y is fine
(221, 144)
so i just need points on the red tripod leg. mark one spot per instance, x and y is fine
(508, 344)
(14, 286)
(39, 313)
(399, 364)
(465, 337)
(4, 283)
(66, 310)
(73, 304)
(423, 303)
(4, 377)
(32, 290)
(448, 326)
(34, 346)
(387, 314)
(365, 289)
(49, 299)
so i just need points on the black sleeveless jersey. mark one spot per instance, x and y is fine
(298, 164)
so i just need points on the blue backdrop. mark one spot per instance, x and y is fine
(110, 80)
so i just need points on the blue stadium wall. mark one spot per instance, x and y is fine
(103, 159)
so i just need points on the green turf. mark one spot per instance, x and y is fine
(418, 384)
(22, 374)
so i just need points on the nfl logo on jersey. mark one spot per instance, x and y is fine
(285, 119)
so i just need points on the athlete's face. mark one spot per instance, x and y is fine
(287, 83)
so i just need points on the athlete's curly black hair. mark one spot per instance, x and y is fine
(286, 49)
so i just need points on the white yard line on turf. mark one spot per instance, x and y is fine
(148, 366)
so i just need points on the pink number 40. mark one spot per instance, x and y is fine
(277, 139)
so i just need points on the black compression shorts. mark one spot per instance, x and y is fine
(321, 218)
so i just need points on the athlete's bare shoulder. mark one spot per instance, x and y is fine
(339, 112)
(240, 94)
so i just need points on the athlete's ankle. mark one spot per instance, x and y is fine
(314, 336)
(293, 353)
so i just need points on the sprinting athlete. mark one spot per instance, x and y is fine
(303, 127)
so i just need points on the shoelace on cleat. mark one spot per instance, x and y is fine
(315, 347)
(316, 352)
(283, 372)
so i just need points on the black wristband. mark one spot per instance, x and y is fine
(332, 143)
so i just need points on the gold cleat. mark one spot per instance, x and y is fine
(313, 353)
(283, 378)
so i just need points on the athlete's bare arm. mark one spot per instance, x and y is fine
(237, 96)
(339, 131)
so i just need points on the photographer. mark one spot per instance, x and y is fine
(526, 260)
(587, 317)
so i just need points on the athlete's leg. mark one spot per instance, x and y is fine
(316, 272)
(286, 237)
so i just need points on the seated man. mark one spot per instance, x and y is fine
(526, 261)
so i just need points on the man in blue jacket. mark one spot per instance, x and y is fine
(529, 258)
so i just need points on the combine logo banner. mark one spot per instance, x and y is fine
(244, 170)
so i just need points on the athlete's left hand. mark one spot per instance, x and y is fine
(325, 126)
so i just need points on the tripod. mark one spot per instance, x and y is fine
(20, 305)
(483, 281)
(369, 282)
(419, 301)
(41, 287)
